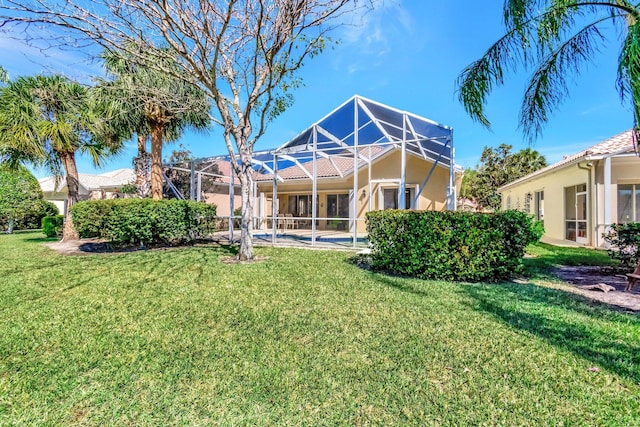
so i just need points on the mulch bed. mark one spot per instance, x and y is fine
(583, 277)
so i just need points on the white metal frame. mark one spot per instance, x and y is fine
(307, 147)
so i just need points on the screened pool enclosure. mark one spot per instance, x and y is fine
(317, 187)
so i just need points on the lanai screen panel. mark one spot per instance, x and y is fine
(376, 124)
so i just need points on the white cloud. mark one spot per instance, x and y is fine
(375, 28)
(371, 36)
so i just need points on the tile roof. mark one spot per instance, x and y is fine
(222, 171)
(618, 144)
(324, 167)
(116, 178)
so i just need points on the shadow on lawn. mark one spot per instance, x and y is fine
(544, 257)
(559, 319)
(41, 239)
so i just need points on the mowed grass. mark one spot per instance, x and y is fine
(177, 337)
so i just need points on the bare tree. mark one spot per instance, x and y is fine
(243, 53)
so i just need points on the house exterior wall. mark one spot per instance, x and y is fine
(623, 170)
(59, 198)
(553, 185)
(385, 173)
(220, 197)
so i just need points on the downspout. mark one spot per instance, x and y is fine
(597, 208)
(590, 229)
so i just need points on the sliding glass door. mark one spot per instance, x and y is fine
(337, 207)
(576, 213)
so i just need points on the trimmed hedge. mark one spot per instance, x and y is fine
(52, 225)
(624, 241)
(144, 221)
(454, 246)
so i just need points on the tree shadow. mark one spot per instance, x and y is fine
(103, 247)
(546, 257)
(41, 239)
(559, 319)
(231, 250)
(592, 330)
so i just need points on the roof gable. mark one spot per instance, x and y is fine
(619, 144)
(90, 182)
(377, 124)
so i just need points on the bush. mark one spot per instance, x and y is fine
(461, 246)
(32, 219)
(144, 221)
(22, 205)
(52, 225)
(624, 240)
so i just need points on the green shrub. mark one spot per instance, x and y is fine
(33, 219)
(624, 240)
(22, 205)
(52, 225)
(144, 221)
(461, 246)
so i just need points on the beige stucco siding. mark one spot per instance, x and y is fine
(553, 184)
(623, 170)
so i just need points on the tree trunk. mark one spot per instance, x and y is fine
(157, 130)
(69, 163)
(142, 145)
(142, 168)
(246, 224)
(10, 226)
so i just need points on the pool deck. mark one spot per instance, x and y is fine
(301, 238)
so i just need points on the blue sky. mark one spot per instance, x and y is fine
(406, 54)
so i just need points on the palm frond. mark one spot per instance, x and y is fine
(4, 76)
(478, 79)
(629, 70)
(542, 34)
(548, 85)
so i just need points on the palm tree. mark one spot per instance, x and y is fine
(4, 76)
(527, 161)
(45, 120)
(557, 38)
(152, 103)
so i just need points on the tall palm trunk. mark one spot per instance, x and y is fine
(157, 129)
(73, 185)
(142, 145)
(142, 167)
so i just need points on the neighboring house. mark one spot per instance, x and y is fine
(219, 194)
(468, 205)
(102, 186)
(213, 169)
(581, 195)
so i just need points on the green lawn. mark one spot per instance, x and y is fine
(177, 337)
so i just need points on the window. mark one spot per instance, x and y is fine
(527, 203)
(539, 205)
(338, 206)
(300, 205)
(390, 198)
(575, 208)
(628, 203)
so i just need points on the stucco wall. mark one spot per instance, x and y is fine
(624, 170)
(553, 184)
(385, 172)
